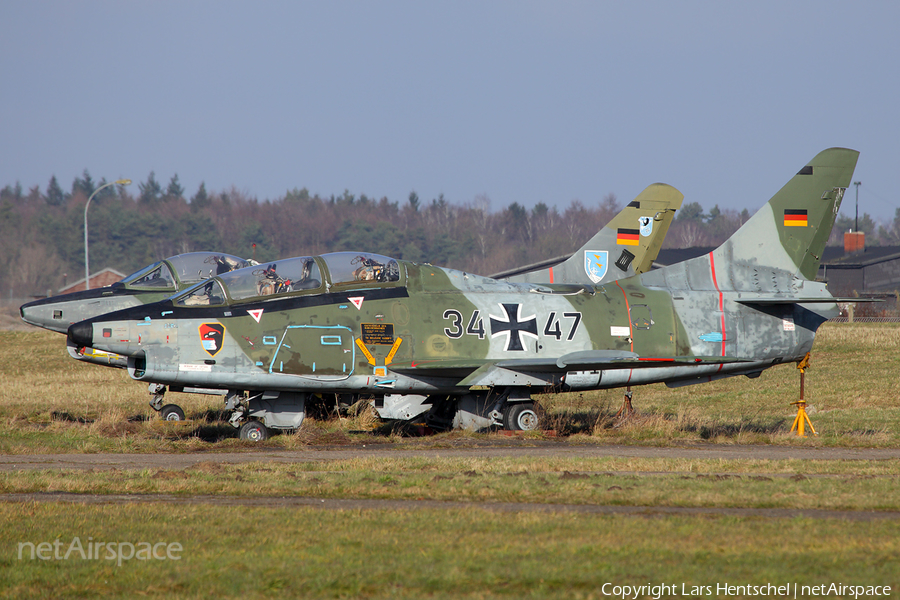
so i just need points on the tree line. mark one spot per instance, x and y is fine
(42, 231)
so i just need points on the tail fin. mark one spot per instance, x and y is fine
(800, 216)
(627, 245)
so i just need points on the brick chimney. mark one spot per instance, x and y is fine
(854, 242)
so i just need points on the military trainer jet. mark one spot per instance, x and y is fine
(153, 283)
(635, 236)
(474, 348)
(626, 246)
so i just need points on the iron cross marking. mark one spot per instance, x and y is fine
(513, 327)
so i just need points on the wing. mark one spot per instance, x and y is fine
(794, 300)
(534, 371)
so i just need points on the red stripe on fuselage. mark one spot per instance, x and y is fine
(712, 267)
(630, 330)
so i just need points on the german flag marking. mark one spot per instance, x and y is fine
(628, 237)
(795, 217)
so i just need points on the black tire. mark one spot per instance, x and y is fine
(254, 431)
(521, 416)
(171, 412)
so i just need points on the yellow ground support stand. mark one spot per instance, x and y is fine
(802, 419)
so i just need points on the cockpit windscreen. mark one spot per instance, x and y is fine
(156, 276)
(196, 266)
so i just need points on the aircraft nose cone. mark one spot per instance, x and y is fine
(33, 314)
(81, 334)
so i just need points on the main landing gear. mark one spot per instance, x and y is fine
(509, 408)
(258, 415)
(167, 412)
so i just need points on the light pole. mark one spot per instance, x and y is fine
(87, 267)
(857, 184)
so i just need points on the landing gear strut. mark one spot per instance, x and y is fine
(509, 408)
(626, 410)
(261, 414)
(168, 412)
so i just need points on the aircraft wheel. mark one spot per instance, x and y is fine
(254, 431)
(171, 412)
(520, 417)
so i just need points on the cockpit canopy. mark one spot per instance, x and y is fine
(293, 275)
(185, 269)
(278, 277)
(353, 267)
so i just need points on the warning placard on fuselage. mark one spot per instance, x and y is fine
(377, 333)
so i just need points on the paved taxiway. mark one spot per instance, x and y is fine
(539, 450)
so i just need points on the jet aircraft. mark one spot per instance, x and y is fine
(632, 239)
(473, 349)
(635, 235)
(152, 283)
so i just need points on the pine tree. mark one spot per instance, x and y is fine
(692, 211)
(151, 191)
(201, 199)
(55, 196)
(174, 191)
(84, 184)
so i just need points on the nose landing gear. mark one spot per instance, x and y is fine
(167, 412)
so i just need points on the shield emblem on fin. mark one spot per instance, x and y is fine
(646, 225)
(595, 264)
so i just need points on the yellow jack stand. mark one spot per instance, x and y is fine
(802, 419)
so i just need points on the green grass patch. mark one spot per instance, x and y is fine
(470, 553)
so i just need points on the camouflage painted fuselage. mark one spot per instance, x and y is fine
(379, 326)
(440, 330)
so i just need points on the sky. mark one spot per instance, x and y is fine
(517, 101)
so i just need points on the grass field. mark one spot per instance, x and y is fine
(474, 553)
(52, 404)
